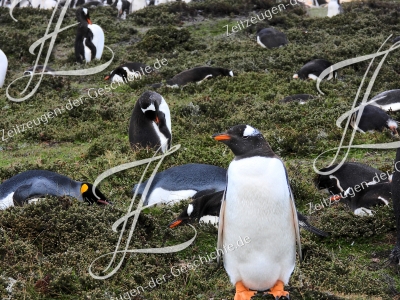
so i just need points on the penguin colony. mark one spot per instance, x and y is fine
(253, 196)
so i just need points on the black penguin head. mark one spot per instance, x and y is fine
(150, 106)
(245, 140)
(88, 196)
(82, 14)
(187, 216)
(118, 71)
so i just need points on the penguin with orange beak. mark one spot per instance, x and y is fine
(89, 42)
(258, 203)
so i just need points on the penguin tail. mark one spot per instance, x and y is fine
(313, 229)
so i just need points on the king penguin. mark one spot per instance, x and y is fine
(27, 185)
(89, 42)
(258, 203)
(3, 67)
(150, 123)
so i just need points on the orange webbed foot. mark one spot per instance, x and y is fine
(242, 292)
(278, 292)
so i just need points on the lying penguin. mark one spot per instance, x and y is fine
(387, 100)
(207, 207)
(314, 68)
(182, 182)
(31, 184)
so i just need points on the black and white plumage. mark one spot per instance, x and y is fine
(39, 69)
(150, 123)
(301, 98)
(197, 75)
(3, 67)
(314, 68)
(388, 100)
(206, 209)
(182, 182)
(334, 8)
(271, 38)
(349, 175)
(31, 184)
(395, 188)
(89, 42)
(373, 118)
(123, 8)
(257, 203)
(131, 69)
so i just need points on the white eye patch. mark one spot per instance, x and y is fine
(189, 209)
(250, 131)
(85, 10)
(231, 73)
(150, 107)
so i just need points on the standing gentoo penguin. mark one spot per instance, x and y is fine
(388, 100)
(373, 118)
(36, 183)
(349, 175)
(271, 38)
(197, 74)
(3, 67)
(207, 207)
(89, 42)
(130, 69)
(182, 182)
(150, 123)
(123, 8)
(334, 8)
(258, 203)
(395, 255)
(313, 69)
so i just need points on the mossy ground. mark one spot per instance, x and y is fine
(62, 238)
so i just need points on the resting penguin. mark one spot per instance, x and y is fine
(373, 118)
(207, 207)
(388, 100)
(271, 38)
(334, 8)
(348, 176)
(395, 255)
(258, 203)
(301, 98)
(134, 70)
(89, 42)
(3, 67)
(27, 185)
(197, 74)
(150, 123)
(313, 69)
(39, 69)
(182, 182)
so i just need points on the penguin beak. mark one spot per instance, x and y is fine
(157, 120)
(335, 198)
(221, 137)
(89, 22)
(107, 77)
(175, 223)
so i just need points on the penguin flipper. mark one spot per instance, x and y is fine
(23, 193)
(303, 222)
(221, 226)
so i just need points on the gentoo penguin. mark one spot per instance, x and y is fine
(89, 42)
(373, 118)
(182, 182)
(197, 74)
(207, 207)
(36, 183)
(388, 100)
(39, 69)
(130, 69)
(313, 69)
(361, 199)
(301, 98)
(123, 8)
(334, 8)
(395, 255)
(258, 203)
(271, 38)
(3, 67)
(350, 175)
(150, 123)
